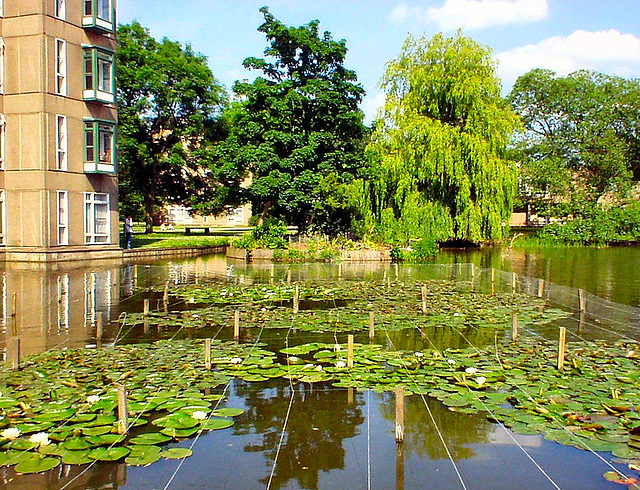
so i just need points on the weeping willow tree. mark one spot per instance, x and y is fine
(439, 149)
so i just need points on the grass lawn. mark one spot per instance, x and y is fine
(178, 239)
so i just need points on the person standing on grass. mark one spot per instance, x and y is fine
(128, 232)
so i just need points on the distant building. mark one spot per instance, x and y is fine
(58, 169)
(180, 216)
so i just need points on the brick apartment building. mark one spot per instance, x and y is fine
(58, 168)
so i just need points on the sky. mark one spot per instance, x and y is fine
(561, 35)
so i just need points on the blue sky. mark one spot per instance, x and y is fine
(563, 35)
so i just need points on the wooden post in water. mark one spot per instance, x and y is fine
(562, 345)
(99, 329)
(350, 395)
(339, 271)
(146, 307)
(397, 270)
(423, 293)
(581, 322)
(350, 351)
(165, 297)
(582, 300)
(207, 354)
(514, 327)
(123, 411)
(493, 281)
(16, 354)
(540, 288)
(399, 466)
(372, 325)
(288, 277)
(236, 325)
(514, 282)
(296, 300)
(272, 273)
(399, 414)
(473, 276)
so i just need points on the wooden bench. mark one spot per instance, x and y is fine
(189, 229)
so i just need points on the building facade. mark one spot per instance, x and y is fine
(58, 121)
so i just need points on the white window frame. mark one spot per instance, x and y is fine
(62, 145)
(93, 201)
(62, 205)
(64, 294)
(61, 67)
(60, 9)
(3, 217)
(3, 141)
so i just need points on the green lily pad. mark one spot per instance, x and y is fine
(109, 454)
(177, 420)
(54, 416)
(106, 439)
(76, 444)
(149, 438)
(97, 431)
(228, 412)
(216, 424)
(75, 457)
(36, 463)
(142, 455)
(179, 433)
(176, 453)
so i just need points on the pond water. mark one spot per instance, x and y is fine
(302, 435)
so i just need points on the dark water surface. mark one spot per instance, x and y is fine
(317, 436)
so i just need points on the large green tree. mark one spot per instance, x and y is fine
(297, 130)
(168, 108)
(580, 138)
(439, 147)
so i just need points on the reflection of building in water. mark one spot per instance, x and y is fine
(56, 304)
(98, 296)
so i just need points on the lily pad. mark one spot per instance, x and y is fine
(143, 455)
(149, 438)
(216, 424)
(228, 412)
(109, 454)
(36, 463)
(176, 453)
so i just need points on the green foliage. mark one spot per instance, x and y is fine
(598, 226)
(439, 166)
(298, 131)
(168, 109)
(579, 141)
(271, 234)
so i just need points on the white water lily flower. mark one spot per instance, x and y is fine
(41, 439)
(481, 380)
(456, 314)
(93, 399)
(192, 300)
(199, 415)
(451, 361)
(319, 368)
(230, 294)
(236, 360)
(195, 315)
(263, 309)
(337, 348)
(419, 354)
(341, 364)
(11, 433)
(471, 370)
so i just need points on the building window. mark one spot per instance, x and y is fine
(99, 147)
(98, 15)
(3, 140)
(61, 67)
(63, 218)
(3, 214)
(61, 9)
(61, 142)
(99, 74)
(96, 218)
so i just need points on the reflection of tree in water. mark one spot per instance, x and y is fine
(421, 438)
(320, 419)
(440, 337)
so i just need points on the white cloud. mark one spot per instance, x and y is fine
(473, 14)
(607, 51)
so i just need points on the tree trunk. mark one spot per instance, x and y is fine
(148, 206)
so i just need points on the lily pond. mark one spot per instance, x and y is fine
(212, 373)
